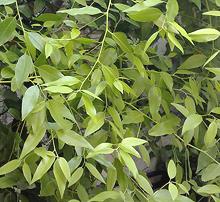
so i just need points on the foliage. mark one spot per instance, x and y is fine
(96, 87)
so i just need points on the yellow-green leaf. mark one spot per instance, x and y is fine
(75, 176)
(93, 170)
(29, 100)
(204, 35)
(10, 166)
(209, 138)
(191, 122)
(171, 169)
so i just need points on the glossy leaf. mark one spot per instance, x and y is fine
(95, 123)
(60, 178)
(209, 189)
(191, 122)
(212, 13)
(92, 169)
(204, 35)
(75, 176)
(172, 9)
(23, 68)
(64, 167)
(146, 15)
(106, 195)
(7, 27)
(171, 169)
(145, 185)
(173, 191)
(10, 166)
(42, 168)
(32, 141)
(72, 138)
(29, 100)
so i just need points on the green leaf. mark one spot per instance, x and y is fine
(74, 33)
(129, 162)
(75, 176)
(212, 13)
(217, 2)
(27, 172)
(82, 193)
(29, 100)
(49, 73)
(60, 178)
(211, 172)
(121, 7)
(64, 81)
(10, 166)
(209, 138)
(191, 122)
(32, 141)
(181, 109)
(197, 3)
(121, 39)
(42, 168)
(60, 113)
(7, 2)
(172, 9)
(129, 149)
(138, 64)
(103, 148)
(59, 89)
(146, 15)
(145, 185)
(171, 169)
(95, 123)
(90, 109)
(209, 189)
(145, 154)
(216, 71)
(73, 139)
(7, 182)
(193, 62)
(174, 41)
(173, 191)
(37, 40)
(64, 167)
(118, 85)
(87, 10)
(106, 195)
(7, 28)
(92, 169)
(48, 50)
(133, 141)
(91, 94)
(116, 117)
(163, 128)
(216, 110)
(133, 116)
(204, 35)
(168, 80)
(143, 5)
(154, 97)
(111, 178)
(150, 40)
(23, 68)
(182, 31)
(211, 58)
